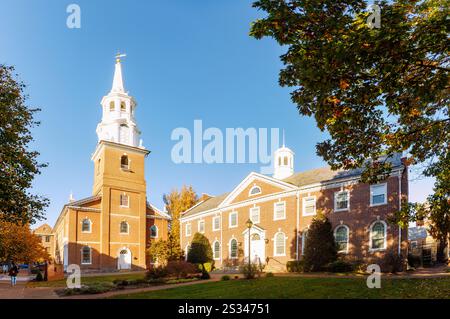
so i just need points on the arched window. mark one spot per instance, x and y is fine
(378, 236)
(124, 200)
(216, 249)
(86, 255)
(124, 227)
(111, 106)
(285, 161)
(86, 225)
(233, 249)
(255, 190)
(123, 107)
(124, 162)
(304, 239)
(280, 244)
(341, 238)
(154, 231)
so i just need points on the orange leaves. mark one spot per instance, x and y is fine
(343, 84)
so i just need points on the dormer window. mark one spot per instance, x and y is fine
(124, 162)
(123, 107)
(255, 190)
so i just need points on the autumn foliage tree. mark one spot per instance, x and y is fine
(19, 244)
(18, 164)
(376, 91)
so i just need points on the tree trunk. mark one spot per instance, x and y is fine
(440, 255)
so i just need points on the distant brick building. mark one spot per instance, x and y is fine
(47, 237)
(282, 207)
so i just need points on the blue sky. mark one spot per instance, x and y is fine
(186, 60)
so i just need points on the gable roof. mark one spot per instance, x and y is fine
(207, 204)
(159, 212)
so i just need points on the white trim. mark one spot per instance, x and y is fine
(90, 226)
(251, 189)
(385, 194)
(122, 243)
(251, 178)
(229, 248)
(275, 210)
(123, 215)
(335, 201)
(214, 249)
(90, 255)
(275, 254)
(304, 239)
(128, 201)
(120, 228)
(214, 223)
(348, 237)
(157, 231)
(229, 219)
(370, 236)
(250, 213)
(186, 229)
(304, 199)
(200, 221)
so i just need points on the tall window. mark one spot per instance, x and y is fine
(279, 210)
(111, 106)
(216, 247)
(216, 223)
(201, 226)
(124, 202)
(280, 244)
(123, 107)
(124, 162)
(304, 240)
(86, 258)
(378, 194)
(233, 219)
(309, 206)
(285, 161)
(378, 236)
(341, 201)
(153, 231)
(86, 225)
(233, 249)
(188, 230)
(124, 228)
(255, 190)
(341, 238)
(254, 215)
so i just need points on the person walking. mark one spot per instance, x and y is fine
(13, 271)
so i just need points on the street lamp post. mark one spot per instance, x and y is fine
(249, 226)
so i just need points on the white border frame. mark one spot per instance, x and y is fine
(385, 194)
(214, 223)
(90, 226)
(250, 214)
(304, 199)
(284, 210)
(275, 244)
(335, 201)
(90, 255)
(186, 228)
(214, 249)
(234, 212)
(348, 237)
(198, 226)
(157, 231)
(385, 236)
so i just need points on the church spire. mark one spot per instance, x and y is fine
(118, 80)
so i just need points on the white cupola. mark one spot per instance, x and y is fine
(118, 124)
(283, 162)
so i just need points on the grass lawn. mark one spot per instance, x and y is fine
(300, 287)
(86, 280)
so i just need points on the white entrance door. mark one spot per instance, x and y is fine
(124, 259)
(257, 248)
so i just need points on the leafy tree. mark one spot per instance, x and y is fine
(376, 91)
(320, 248)
(178, 202)
(18, 165)
(159, 251)
(19, 244)
(200, 251)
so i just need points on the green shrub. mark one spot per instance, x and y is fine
(156, 272)
(340, 266)
(39, 276)
(270, 274)
(225, 278)
(251, 271)
(295, 265)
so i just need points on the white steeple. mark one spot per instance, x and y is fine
(118, 123)
(283, 162)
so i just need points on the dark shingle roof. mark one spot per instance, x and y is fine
(207, 204)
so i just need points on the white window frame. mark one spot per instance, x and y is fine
(201, 221)
(214, 250)
(186, 229)
(229, 219)
(371, 249)
(186, 250)
(90, 256)
(275, 210)
(254, 187)
(384, 185)
(275, 254)
(348, 237)
(128, 200)
(304, 200)
(250, 213)
(120, 228)
(336, 194)
(214, 223)
(237, 248)
(304, 239)
(157, 231)
(90, 226)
